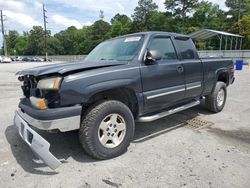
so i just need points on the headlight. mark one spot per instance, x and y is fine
(50, 83)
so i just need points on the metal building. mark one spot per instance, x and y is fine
(204, 34)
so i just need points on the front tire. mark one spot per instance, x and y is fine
(215, 102)
(107, 129)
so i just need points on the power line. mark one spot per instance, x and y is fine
(4, 40)
(45, 32)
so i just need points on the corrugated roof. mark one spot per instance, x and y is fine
(208, 33)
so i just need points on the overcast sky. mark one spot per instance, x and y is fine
(21, 15)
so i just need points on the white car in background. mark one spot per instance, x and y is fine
(5, 59)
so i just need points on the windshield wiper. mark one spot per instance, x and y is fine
(103, 59)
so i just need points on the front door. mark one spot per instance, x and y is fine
(163, 81)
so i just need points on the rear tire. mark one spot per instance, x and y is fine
(107, 129)
(215, 102)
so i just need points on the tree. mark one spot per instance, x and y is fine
(121, 25)
(54, 46)
(68, 40)
(180, 8)
(142, 14)
(160, 21)
(11, 40)
(244, 26)
(209, 15)
(35, 44)
(84, 40)
(116, 29)
(124, 19)
(238, 8)
(21, 45)
(99, 32)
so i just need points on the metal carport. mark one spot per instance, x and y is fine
(204, 34)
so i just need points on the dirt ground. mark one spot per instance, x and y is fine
(164, 153)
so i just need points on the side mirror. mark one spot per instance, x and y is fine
(152, 56)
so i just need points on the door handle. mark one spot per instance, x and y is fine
(180, 68)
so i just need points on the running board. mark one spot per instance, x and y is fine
(167, 113)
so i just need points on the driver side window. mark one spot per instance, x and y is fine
(164, 46)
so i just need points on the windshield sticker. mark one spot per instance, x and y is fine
(132, 39)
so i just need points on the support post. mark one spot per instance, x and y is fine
(220, 42)
(231, 45)
(226, 43)
(240, 43)
(236, 44)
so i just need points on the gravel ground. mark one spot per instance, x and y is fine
(164, 153)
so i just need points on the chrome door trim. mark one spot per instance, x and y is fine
(165, 91)
(193, 85)
(172, 90)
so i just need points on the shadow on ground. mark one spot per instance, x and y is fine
(65, 145)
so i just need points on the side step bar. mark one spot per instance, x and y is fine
(167, 113)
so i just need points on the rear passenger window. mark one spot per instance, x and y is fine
(186, 48)
(164, 46)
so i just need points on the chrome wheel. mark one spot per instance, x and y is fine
(112, 130)
(220, 97)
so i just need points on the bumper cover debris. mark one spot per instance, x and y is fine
(37, 143)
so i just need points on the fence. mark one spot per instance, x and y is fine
(234, 54)
(67, 58)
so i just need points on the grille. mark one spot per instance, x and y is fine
(197, 123)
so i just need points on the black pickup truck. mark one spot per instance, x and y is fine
(139, 77)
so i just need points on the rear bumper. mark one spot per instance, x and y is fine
(232, 80)
(37, 144)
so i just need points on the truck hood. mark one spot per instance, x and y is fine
(64, 68)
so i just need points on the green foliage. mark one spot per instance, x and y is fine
(11, 41)
(208, 15)
(160, 21)
(67, 39)
(121, 25)
(35, 44)
(99, 32)
(142, 14)
(236, 7)
(54, 46)
(181, 16)
(181, 8)
(244, 27)
(20, 46)
(124, 19)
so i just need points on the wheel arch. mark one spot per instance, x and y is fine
(221, 75)
(123, 94)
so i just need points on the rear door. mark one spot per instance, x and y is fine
(192, 66)
(163, 81)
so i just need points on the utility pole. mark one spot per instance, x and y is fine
(45, 32)
(4, 40)
(239, 14)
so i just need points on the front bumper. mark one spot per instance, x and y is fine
(37, 144)
(63, 119)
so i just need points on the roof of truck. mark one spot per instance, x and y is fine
(157, 32)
